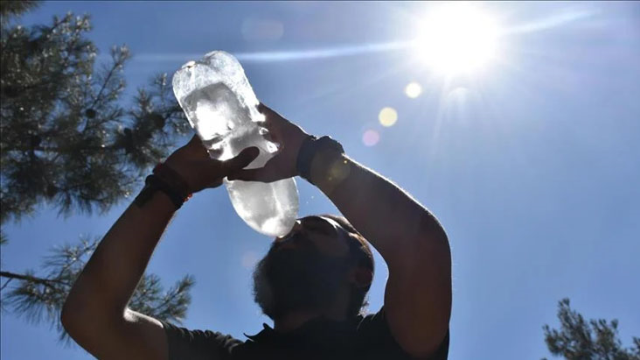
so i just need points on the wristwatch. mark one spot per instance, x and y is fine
(319, 161)
(166, 180)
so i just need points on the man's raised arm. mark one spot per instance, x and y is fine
(407, 235)
(95, 313)
(411, 241)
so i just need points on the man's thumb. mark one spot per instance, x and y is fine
(243, 159)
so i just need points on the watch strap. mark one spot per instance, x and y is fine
(169, 182)
(173, 179)
(305, 154)
(311, 149)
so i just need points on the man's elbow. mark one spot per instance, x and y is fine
(424, 349)
(76, 315)
(69, 318)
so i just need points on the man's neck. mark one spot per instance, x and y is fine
(296, 319)
(337, 311)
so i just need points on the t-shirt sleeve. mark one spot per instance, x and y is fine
(185, 344)
(376, 328)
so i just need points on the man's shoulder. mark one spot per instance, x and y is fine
(198, 344)
(372, 339)
(374, 330)
(373, 324)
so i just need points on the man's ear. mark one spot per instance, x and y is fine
(361, 277)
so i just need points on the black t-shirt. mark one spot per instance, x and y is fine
(366, 337)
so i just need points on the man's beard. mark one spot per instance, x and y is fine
(298, 279)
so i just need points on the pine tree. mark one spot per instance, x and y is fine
(578, 339)
(66, 138)
(69, 142)
(40, 297)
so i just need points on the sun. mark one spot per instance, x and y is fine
(457, 38)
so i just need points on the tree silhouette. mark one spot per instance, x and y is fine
(39, 297)
(578, 339)
(69, 142)
(66, 138)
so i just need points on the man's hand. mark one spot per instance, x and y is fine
(193, 164)
(283, 165)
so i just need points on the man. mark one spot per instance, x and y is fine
(312, 282)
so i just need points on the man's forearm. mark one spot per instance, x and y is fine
(110, 277)
(385, 214)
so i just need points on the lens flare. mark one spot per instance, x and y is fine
(388, 117)
(413, 90)
(370, 137)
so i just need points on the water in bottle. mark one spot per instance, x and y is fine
(221, 106)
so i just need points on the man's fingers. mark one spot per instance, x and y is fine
(215, 183)
(195, 141)
(270, 135)
(243, 159)
(270, 116)
(265, 109)
(195, 146)
(263, 174)
(247, 175)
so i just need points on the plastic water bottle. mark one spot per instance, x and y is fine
(221, 106)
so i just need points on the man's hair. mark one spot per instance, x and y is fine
(360, 255)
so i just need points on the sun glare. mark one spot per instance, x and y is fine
(413, 90)
(457, 38)
(388, 116)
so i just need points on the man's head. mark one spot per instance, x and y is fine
(322, 259)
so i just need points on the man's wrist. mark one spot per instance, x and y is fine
(155, 201)
(305, 156)
(164, 180)
(329, 169)
(173, 180)
(322, 162)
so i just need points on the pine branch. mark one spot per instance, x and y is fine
(41, 297)
(118, 62)
(67, 141)
(5, 284)
(16, 8)
(42, 281)
(581, 339)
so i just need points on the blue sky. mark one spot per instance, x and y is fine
(532, 166)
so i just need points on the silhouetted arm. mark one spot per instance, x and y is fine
(95, 313)
(411, 241)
